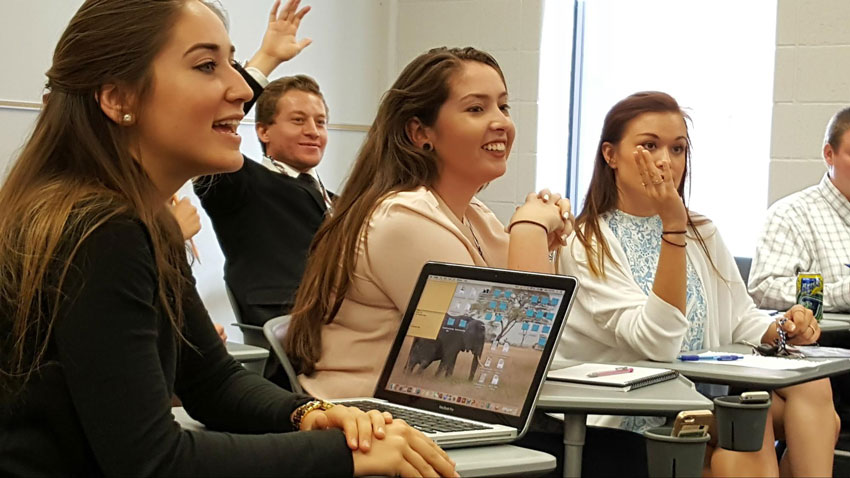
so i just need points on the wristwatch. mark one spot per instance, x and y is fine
(308, 407)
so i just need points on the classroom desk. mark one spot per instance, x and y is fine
(836, 317)
(828, 325)
(751, 377)
(495, 460)
(251, 357)
(575, 402)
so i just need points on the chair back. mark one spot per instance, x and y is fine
(275, 331)
(251, 334)
(744, 264)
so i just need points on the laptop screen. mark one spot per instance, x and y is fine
(475, 343)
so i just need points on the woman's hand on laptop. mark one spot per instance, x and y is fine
(357, 425)
(404, 451)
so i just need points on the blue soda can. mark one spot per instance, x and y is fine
(810, 292)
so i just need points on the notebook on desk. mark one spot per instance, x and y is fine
(472, 352)
(612, 377)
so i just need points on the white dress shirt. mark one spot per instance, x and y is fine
(808, 231)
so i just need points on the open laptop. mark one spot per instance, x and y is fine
(472, 352)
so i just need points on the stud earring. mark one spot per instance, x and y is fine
(427, 147)
(127, 119)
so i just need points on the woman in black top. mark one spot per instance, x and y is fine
(101, 323)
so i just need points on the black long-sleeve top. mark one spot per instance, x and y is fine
(101, 406)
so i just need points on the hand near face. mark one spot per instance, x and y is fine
(404, 451)
(660, 187)
(279, 42)
(187, 217)
(358, 426)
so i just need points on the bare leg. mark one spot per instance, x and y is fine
(806, 420)
(747, 463)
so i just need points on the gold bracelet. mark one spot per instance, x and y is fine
(308, 407)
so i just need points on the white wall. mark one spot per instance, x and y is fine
(510, 31)
(811, 83)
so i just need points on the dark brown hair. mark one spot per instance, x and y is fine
(603, 195)
(266, 110)
(75, 172)
(388, 162)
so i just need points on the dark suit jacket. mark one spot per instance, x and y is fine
(264, 222)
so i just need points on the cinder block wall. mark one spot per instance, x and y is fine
(811, 83)
(510, 31)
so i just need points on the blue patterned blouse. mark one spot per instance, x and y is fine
(640, 238)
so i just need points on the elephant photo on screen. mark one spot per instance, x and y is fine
(457, 334)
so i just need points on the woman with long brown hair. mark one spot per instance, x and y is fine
(101, 320)
(442, 132)
(658, 280)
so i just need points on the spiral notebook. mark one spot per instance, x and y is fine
(583, 375)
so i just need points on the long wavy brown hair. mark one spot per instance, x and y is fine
(75, 172)
(388, 162)
(603, 195)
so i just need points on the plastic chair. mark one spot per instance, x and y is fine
(744, 264)
(275, 330)
(251, 334)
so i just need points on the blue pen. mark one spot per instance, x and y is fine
(720, 358)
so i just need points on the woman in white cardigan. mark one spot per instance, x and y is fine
(657, 280)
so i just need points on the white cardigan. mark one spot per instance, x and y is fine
(612, 318)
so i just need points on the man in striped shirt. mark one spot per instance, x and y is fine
(809, 231)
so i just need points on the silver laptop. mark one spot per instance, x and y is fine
(472, 352)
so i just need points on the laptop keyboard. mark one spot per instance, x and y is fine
(424, 422)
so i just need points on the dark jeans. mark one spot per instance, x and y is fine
(607, 452)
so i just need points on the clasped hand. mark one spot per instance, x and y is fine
(551, 212)
(801, 326)
(397, 450)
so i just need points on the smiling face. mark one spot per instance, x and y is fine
(664, 135)
(299, 133)
(474, 132)
(186, 126)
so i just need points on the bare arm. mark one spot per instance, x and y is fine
(670, 274)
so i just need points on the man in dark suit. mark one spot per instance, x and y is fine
(266, 214)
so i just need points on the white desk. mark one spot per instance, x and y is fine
(828, 325)
(836, 317)
(496, 460)
(662, 399)
(752, 377)
(251, 357)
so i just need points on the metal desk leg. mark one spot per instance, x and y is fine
(575, 426)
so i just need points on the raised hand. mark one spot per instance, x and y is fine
(660, 186)
(279, 42)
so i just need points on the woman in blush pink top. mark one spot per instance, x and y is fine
(442, 132)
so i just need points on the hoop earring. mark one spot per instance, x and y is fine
(427, 147)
